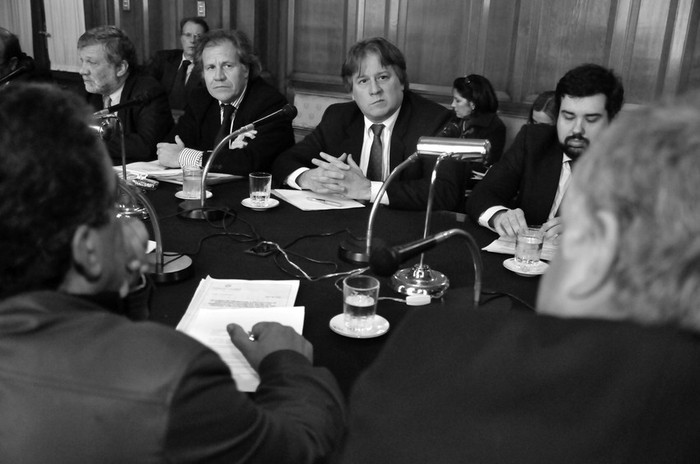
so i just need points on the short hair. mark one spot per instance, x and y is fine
(591, 79)
(116, 43)
(478, 90)
(52, 179)
(196, 20)
(240, 41)
(389, 55)
(11, 45)
(546, 103)
(644, 170)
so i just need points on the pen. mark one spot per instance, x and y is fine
(325, 202)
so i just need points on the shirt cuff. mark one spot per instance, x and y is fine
(291, 179)
(374, 191)
(488, 214)
(190, 157)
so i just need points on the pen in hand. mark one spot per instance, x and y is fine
(325, 202)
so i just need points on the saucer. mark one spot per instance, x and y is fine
(181, 196)
(525, 270)
(271, 203)
(380, 326)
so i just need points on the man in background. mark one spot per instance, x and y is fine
(235, 95)
(357, 144)
(528, 184)
(79, 382)
(108, 67)
(13, 59)
(174, 69)
(607, 371)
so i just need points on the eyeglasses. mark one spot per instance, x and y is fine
(189, 35)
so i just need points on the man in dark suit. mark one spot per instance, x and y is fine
(608, 369)
(528, 184)
(235, 96)
(81, 383)
(109, 72)
(339, 155)
(174, 69)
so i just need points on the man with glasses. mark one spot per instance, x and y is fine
(79, 382)
(174, 69)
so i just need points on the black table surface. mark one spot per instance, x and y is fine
(220, 252)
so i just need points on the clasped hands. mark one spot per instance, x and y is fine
(341, 176)
(508, 222)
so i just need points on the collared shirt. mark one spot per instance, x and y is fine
(367, 140)
(192, 157)
(564, 177)
(115, 97)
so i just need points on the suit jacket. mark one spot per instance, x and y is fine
(80, 384)
(484, 126)
(164, 65)
(144, 125)
(526, 177)
(489, 386)
(341, 130)
(201, 122)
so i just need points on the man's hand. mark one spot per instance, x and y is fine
(552, 229)
(268, 338)
(169, 153)
(336, 175)
(508, 222)
(240, 141)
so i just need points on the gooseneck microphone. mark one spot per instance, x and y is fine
(25, 66)
(286, 112)
(384, 261)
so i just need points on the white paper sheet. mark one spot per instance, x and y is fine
(157, 171)
(309, 201)
(219, 302)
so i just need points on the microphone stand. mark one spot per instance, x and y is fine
(188, 208)
(177, 268)
(420, 279)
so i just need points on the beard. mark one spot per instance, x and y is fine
(575, 145)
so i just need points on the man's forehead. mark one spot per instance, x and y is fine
(592, 104)
(190, 26)
(369, 58)
(224, 48)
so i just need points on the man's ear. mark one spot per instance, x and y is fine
(122, 68)
(597, 254)
(86, 257)
(13, 62)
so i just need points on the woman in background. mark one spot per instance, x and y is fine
(543, 109)
(475, 105)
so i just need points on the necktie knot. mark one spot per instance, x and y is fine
(377, 129)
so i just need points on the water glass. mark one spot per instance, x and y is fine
(191, 181)
(528, 245)
(260, 185)
(360, 295)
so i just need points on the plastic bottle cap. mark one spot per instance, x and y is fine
(417, 300)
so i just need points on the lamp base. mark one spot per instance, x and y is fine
(176, 267)
(353, 251)
(192, 209)
(420, 280)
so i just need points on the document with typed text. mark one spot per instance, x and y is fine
(219, 302)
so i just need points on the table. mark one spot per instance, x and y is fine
(223, 256)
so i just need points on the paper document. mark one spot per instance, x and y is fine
(157, 171)
(306, 200)
(506, 245)
(219, 302)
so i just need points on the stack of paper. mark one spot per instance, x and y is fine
(217, 303)
(159, 172)
(309, 201)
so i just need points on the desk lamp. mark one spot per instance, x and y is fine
(420, 279)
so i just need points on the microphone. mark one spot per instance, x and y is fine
(287, 111)
(27, 65)
(384, 261)
(137, 100)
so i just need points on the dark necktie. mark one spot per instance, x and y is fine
(177, 94)
(225, 129)
(376, 154)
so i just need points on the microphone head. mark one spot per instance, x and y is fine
(383, 260)
(290, 111)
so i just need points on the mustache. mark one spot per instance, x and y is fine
(578, 137)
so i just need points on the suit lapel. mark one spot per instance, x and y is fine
(352, 143)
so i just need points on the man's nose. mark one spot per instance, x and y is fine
(579, 126)
(374, 88)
